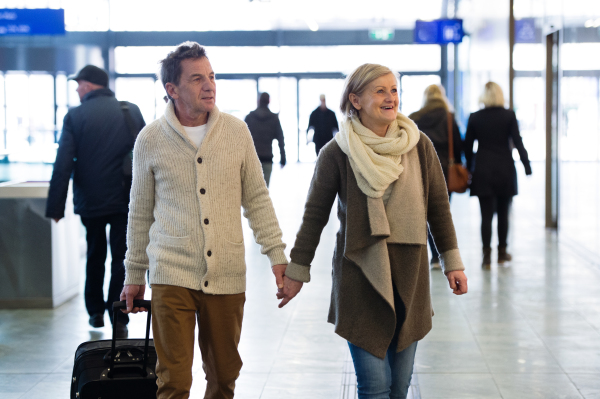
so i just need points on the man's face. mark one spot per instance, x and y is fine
(83, 88)
(197, 90)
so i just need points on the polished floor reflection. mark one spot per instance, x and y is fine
(530, 329)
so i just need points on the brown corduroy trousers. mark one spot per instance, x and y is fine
(175, 311)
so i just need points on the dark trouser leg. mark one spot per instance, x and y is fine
(487, 214)
(96, 258)
(118, 247)
(173, 323)
(267, 168)
(503, 208)
(219, 329)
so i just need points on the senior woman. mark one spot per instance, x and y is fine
(494, 179)
(389, 185)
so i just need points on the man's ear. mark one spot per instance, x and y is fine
(354, 100)
(171, 90)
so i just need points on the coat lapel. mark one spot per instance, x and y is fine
(367, 251)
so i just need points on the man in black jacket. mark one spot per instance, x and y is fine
(324, 124)
(265, 127)
(96, 140)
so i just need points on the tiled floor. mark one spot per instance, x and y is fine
(530, 330)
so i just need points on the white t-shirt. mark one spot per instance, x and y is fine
(196, 133)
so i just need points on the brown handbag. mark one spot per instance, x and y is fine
(458, 175)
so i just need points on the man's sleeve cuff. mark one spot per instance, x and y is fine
(451, 261)
(298, 272)
(135, 273)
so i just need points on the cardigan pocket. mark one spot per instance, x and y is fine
(164, 249)
(232, 261)
(173, 241)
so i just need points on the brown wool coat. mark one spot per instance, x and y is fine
(378, 247)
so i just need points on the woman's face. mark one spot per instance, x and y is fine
(378, 104)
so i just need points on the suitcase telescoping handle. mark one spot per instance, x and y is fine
(117, 306)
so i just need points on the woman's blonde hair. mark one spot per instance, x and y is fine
(492, 95)
(435, 93)
(357, 82)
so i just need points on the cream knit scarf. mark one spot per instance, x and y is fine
(376, 160)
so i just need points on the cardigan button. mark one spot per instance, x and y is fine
(202, 191)
(209, 253)
(199, 160)
(205, 221)
(206, 283)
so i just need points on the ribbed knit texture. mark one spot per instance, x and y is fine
(186, 202)
(376, 160)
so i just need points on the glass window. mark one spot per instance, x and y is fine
(236, 97)
(310, 90)
(346, 58)
(580, 56)
(283, 101)
(41, 118)
(413, 87)
(17, 115)
(161, 102)
(61, 101)
(580, 98)
(72, 96)
(529, 57)
(289, 59)
(529, 108)
(139, 91)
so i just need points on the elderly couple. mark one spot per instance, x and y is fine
(193, 170)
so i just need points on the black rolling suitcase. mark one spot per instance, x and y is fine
(116, 368)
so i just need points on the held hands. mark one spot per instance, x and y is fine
(131, 292)
(286, 287)
(291, 288)
(458, 282)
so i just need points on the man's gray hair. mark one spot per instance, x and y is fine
(170, 69)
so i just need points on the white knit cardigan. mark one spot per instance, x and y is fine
(184, 215)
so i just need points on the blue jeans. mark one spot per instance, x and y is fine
(383, 379)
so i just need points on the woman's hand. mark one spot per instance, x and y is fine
(291, 288)
(458, 282)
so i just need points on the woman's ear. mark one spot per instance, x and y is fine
(355, 101)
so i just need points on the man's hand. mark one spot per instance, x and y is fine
(56, 219)
(279, 272)
(291, 288)
(458, 282)
(131, 292)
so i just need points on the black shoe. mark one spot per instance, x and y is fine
(503, 256)
(121, 331)
(486, 263)
(97, 320)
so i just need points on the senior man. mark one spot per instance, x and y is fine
(193, 170)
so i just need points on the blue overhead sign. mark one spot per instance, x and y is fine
(525, 31)
(439, 31)
(38, 21)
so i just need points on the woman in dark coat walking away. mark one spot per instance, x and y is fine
(494, 177)
(432, 120)
(389, 185)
